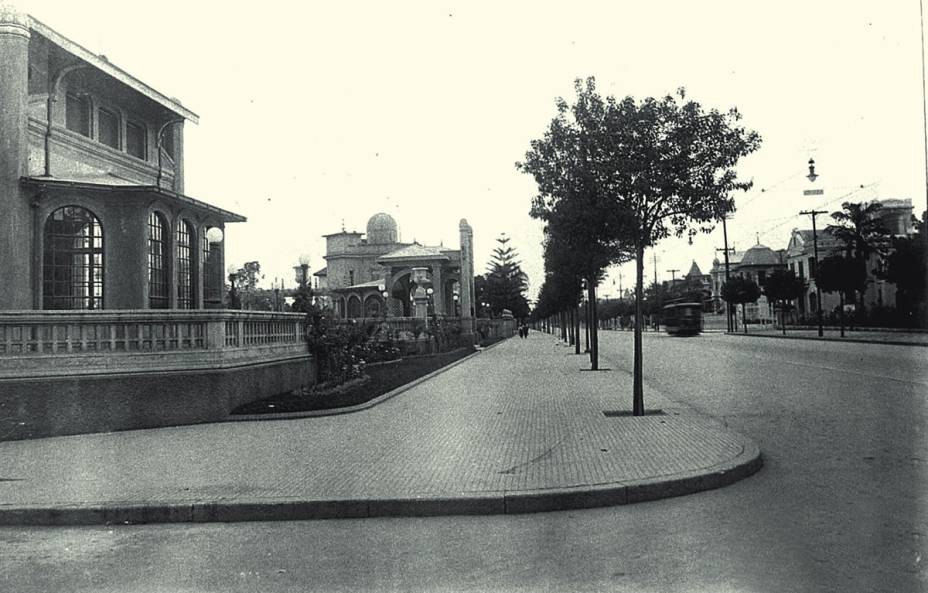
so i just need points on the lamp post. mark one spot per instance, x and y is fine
(815, 192)
(302, 270)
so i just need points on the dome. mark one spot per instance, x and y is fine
(760, 255)
(381, 229)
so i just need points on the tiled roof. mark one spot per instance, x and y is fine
(414, 252)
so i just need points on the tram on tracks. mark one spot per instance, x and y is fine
(683, 318)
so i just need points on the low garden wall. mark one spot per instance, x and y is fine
(68, 372)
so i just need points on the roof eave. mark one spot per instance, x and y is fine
(108, 68)
(225, 215)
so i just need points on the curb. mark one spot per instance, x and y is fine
(359, 407)
(824, 339)
(292, 509)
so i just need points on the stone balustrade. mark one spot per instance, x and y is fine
(43, 343)
(65, 372)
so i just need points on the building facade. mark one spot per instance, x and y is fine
(375, 274)
(93, 213)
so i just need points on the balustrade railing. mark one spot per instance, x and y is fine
(24, 333)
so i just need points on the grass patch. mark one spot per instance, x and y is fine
(378, 380)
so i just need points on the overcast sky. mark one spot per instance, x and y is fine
(313, 113)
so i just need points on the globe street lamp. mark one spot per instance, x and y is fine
(302, 270)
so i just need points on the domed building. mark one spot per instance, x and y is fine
(756, 263)
(376, 275)
(382, 230)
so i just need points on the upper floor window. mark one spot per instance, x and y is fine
(802, 270)
(167, 140)
(761, 277)
(108, 128)
(812, 268)
(77, 114)
(136, 140)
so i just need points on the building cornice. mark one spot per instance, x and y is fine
(111, 70)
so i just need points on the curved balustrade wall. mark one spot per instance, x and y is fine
(65, 372)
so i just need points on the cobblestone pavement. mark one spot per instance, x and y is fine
(521, 417)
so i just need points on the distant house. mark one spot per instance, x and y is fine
(896, 217)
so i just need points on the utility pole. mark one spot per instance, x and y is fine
(726, 249)
(818, 293)
(727, 268)
(673, 277)
(655, 267)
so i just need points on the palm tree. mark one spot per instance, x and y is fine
(859, 228)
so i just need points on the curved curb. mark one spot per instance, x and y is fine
(745, 464)
(359, 407)
(824, 339)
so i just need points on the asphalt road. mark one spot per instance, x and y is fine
(839, 505)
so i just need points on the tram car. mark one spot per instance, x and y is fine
(683, 318)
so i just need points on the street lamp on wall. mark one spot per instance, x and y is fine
(214, 235)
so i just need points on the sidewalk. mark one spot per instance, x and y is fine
(831, 334)
(517, 428)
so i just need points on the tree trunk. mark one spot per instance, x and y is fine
(783, 318)
(638, 387)
(841, 310)
(744, 317)
(594, 329)
(586, 332)
(577, 329)
(569, 326)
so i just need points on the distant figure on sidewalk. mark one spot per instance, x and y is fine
(523, 330)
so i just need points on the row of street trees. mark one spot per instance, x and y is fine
(615, 177)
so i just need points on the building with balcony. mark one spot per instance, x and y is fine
(94, 213)
(112, 276)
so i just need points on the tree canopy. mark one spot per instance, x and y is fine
(506, 282)
(616, 176)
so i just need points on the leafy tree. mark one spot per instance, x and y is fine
(303, 299)
(782, 287)
(906, 268)
(859, 228)
(740, 291)
(506, 282)
(648, 169)
(843, 275)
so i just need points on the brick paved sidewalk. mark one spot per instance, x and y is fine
(518, 427)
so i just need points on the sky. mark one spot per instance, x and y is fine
(316, 115)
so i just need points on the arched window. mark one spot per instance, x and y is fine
(212, 272)
(354, 307)
(185, 240)
(72, 270)
(158, 258)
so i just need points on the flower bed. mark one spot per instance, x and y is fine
(381, 379)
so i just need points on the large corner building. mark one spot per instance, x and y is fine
(93, 213)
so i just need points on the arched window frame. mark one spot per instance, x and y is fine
(159, 260)
(185, 260)
(211, 269)
(66, 253)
